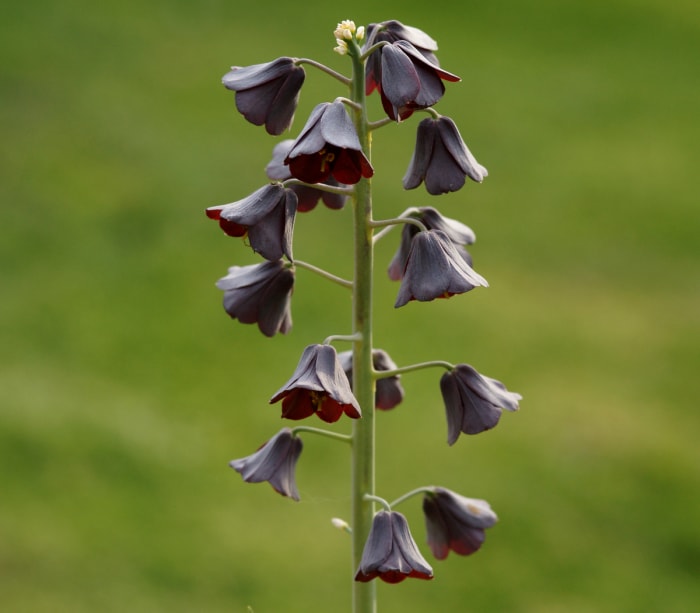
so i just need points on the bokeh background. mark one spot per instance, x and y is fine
(125, 389)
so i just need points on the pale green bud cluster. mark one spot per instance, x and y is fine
(344, 32)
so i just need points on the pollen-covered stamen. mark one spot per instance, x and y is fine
(327, 158)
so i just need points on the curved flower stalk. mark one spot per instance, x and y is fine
(318, 386)
(456, 232)
(473, 402)
(441, 158)
(274, 462)
(454, 522)
(266, 217)
(267, 93)
(260, 293)
(307, 195)
(435, 269)
(390, 552)
(328, 146)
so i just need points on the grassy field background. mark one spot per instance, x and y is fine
(125, 389)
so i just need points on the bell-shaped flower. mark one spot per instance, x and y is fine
(406, 80)
(455, 522)
(441, 158)
(455, 230)
(328, 146)
(435, 269)
(266, 216)
(319, 385)
(390, 552)
(260, 293)
(388, 392)
(473, 402)
(307, 196)
(274, 462)
(390, 32)
(267, 93)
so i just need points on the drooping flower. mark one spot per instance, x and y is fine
(328, 146)
(266, 216)
(456, 231)
(267, 93)
(274, 462)
(390, 32)
(441, 158)
(390, 552)
(389, 392)
(435, 269)
(407, 81)
(307, 196)
(473, 402)
(455, 522)
(260, 293)
(319, 386)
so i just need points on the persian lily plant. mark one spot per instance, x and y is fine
(329, 160)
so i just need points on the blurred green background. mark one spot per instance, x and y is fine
(125, 389)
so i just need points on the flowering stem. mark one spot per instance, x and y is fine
(327, 433)
(324, 68)
(325, 274)
(364, 594)
(383, 374)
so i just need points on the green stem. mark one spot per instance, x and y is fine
(364, 595)
(324, 68)
(407, 495)
(327, 433)
(383, 374)
(323, 273)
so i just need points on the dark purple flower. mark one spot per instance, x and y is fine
(328, 146)
(267, 93)
(435, 269)
(473, 402)
(406, 80)
(307, 195)
(441, 158)
(455, 522)
(456, 231)
(260, 293)
(390, 32)
(273, 462)
(319, 386)
(390, 552)
(388, 391)
(266, 216)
